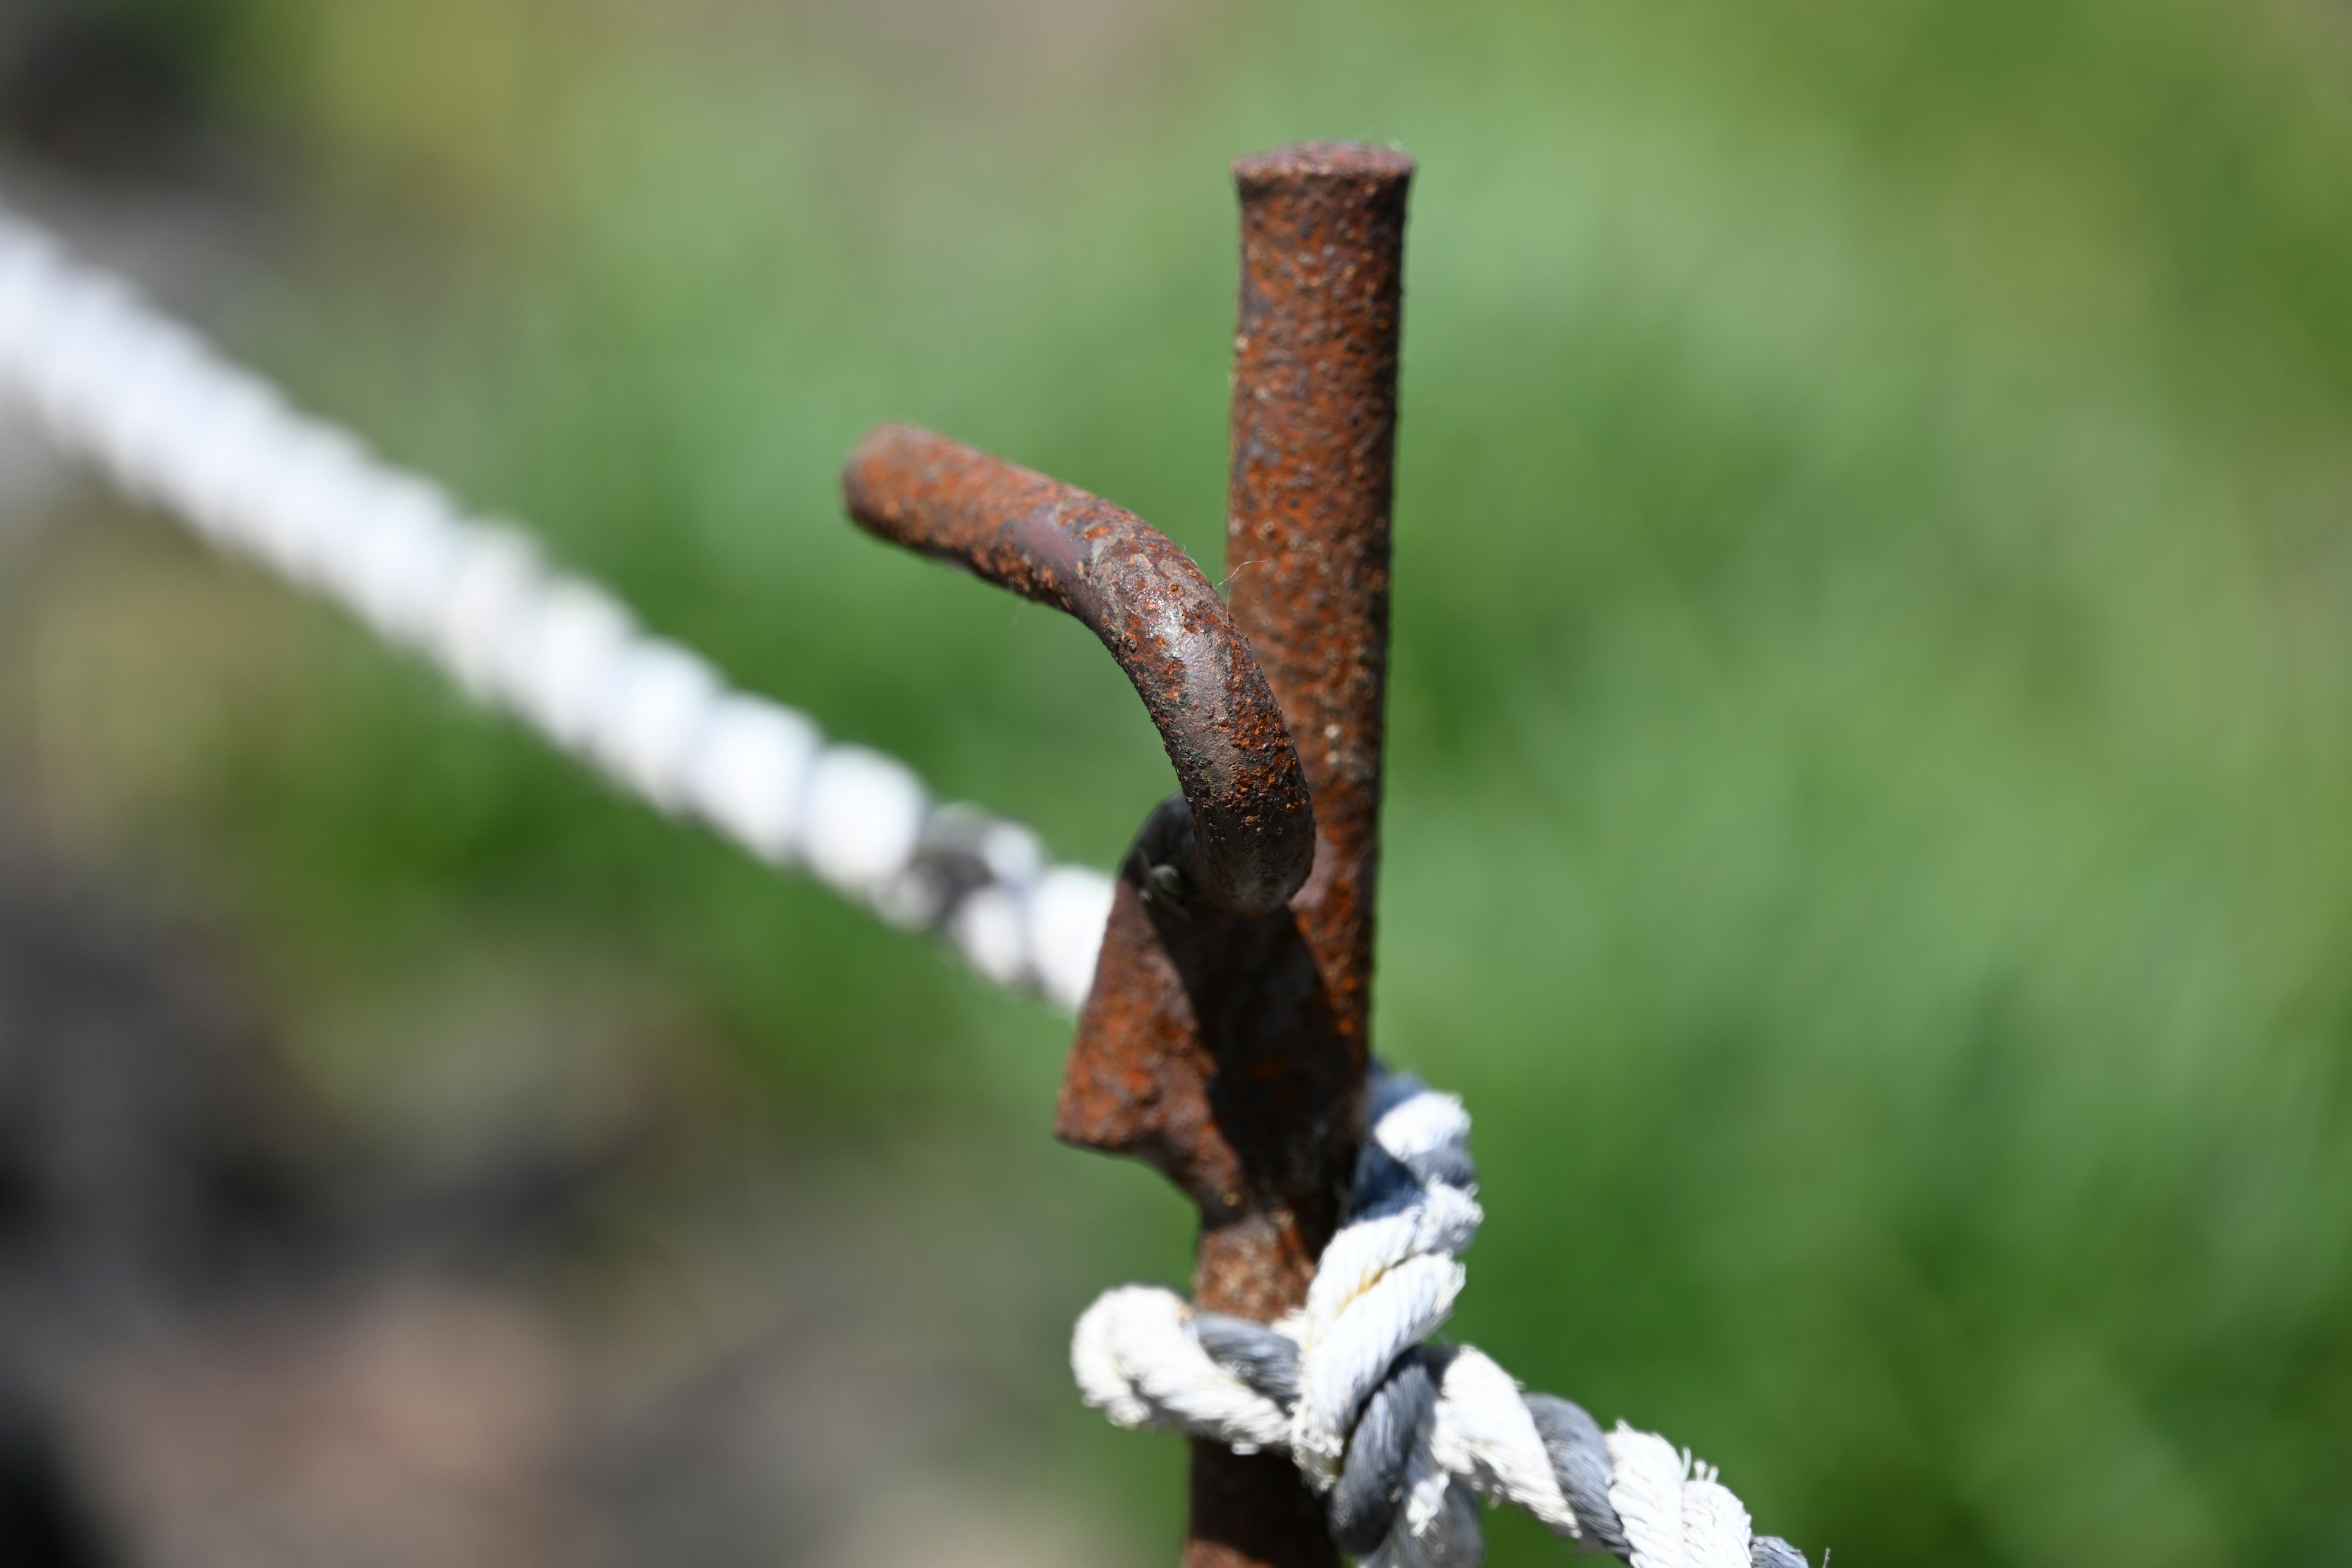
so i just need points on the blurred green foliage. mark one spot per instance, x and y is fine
(1873, 704)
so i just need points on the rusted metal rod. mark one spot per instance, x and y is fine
(1307, 513)
(1231, 1052)
(1307, 553)
(1159, 616)
(1224, 1041)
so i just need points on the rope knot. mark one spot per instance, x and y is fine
(1401, 1435)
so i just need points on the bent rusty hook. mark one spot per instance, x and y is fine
(1252, 821)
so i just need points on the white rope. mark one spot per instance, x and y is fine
(175, 425)
(1401, 1437)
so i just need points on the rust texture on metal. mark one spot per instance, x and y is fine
(1226, 1040)
(1307, 513)
(1250, 837)
(1230, 1051)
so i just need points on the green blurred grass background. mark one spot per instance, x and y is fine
(1872, 675)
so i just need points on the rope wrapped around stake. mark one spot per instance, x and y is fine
(1399, 1435)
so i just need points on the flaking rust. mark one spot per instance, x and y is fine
(1224, 1040)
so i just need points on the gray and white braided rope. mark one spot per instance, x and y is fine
(173, 423)
(1401, 1436)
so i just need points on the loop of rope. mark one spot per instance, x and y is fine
(1401, 1436)
(175, 425)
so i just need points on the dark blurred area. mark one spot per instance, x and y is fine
(233, 1337)
(1874, 647)
(103, 95)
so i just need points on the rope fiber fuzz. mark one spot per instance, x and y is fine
(1399, 1434)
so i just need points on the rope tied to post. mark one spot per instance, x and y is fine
(1401, 1435)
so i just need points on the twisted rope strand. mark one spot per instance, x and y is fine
(175, 425)
(1400, 1435)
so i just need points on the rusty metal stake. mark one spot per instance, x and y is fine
(1226, 1040)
